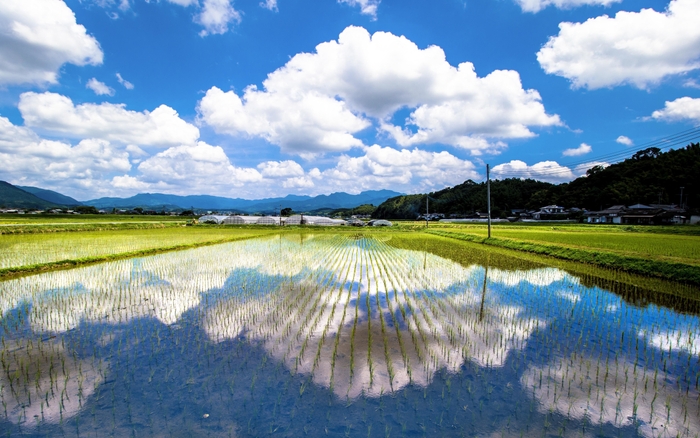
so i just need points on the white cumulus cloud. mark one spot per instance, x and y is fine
(636, 48)
(99, 88)
(75, 169)
(201, 167)
(367, 7)
(407, 170)
(37, 37)
(216, 16)
(184, 2)
(575, 152)
(538, 5)
(128, 85)
(684, 108)
(317, 102)
(691, 83)
(286, 168)
(549, 171)
(269, 4)
(298, 182)
(55, 113)
(304, 122)
(624, 140)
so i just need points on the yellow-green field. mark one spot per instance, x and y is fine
(645, 242)
(30, 244)
(35, 249)
(37, 219)
(24, 224)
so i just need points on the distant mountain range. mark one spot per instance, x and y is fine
(157, 201)
(50, 196)
(14, 197)
(33, 197)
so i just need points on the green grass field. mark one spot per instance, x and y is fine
(31, 252)
(26, 224)
(84, 218)
(643, 242)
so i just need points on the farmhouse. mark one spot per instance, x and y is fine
(550, 212)
(638, 214)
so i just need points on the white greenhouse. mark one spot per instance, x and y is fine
(212, 219)
(380, 223)
(241, 220)
(314, 220)
(269, 220)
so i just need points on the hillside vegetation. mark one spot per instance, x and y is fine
(648, 177)
(13, 197)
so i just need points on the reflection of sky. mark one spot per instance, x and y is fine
(604, 359)
(618, 393)
(57, 384)
(376, 319)
(416, 313)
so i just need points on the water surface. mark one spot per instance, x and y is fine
(296, 335)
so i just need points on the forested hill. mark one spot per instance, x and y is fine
(467, 198)
(648, 177)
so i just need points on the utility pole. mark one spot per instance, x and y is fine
(488, 196)
(681, 204)
(426, 210)
(483, 291)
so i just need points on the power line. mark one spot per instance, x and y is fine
(680, 138)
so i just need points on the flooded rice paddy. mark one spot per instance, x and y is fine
(303, 335)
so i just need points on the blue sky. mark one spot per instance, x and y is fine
(257, 99)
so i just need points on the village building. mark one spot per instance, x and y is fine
(638, 214)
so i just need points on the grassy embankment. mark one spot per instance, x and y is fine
(671, 253)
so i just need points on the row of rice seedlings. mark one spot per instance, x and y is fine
(356, 294)
(62, 300)
(296, 321)
(133, 289)
(327, 314)
(395, 322)
(117, 291)
(447, 312)
(422, 349)
(273, 316)
(414, 294)
(312, 319)
(299, 291)
(612, 376)
(368, 294)
(42, 383)
(385, 336)
(621, 396)
(346, 290)
(403, 302)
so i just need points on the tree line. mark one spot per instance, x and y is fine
(650, 176)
